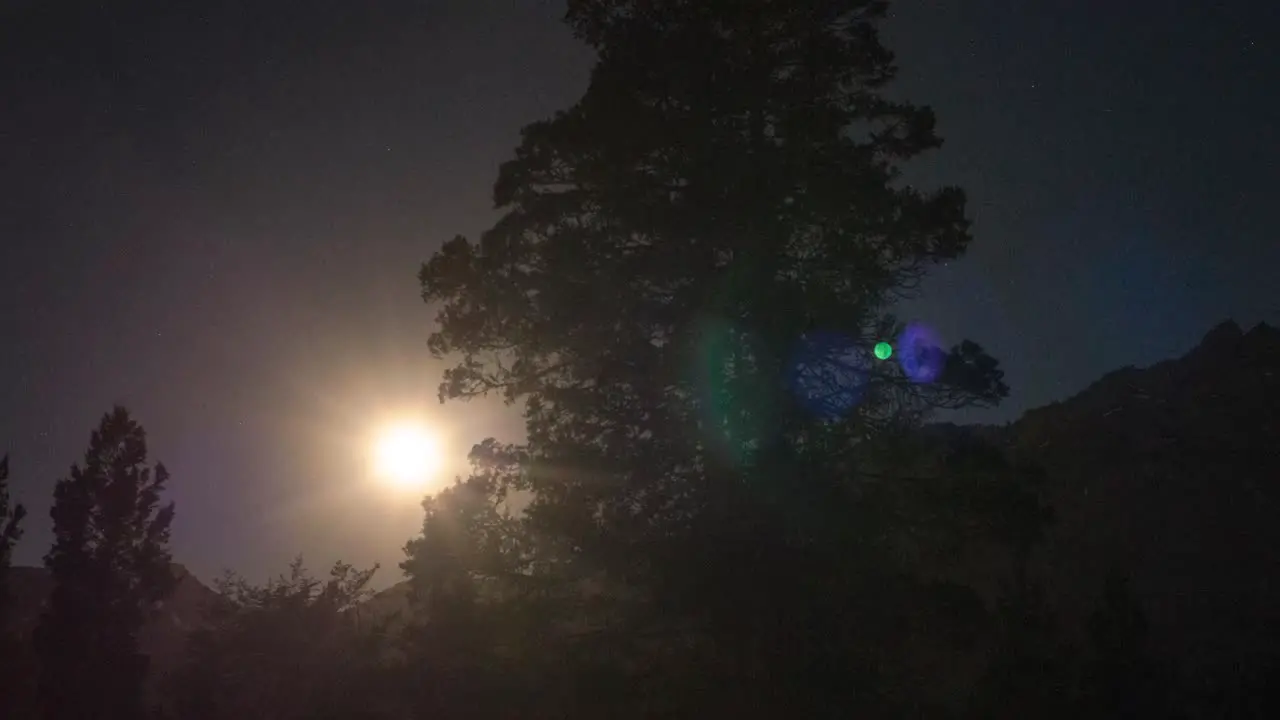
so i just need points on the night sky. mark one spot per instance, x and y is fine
(215, 217)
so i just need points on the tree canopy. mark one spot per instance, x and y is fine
(291, 648)
(11, 515)
(110, 565)
(688, 258)
(10, 533)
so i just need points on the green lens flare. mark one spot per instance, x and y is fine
(883, 350)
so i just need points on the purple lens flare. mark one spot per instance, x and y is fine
(920, 353)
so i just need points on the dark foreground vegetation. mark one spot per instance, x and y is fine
(725, 507)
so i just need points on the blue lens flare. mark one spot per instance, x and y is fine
(828, 374)
(920, 353)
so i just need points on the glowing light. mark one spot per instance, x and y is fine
(829, 374)
(406, 455)
(920, 353)
(883, 350)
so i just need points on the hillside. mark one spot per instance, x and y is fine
(1171, 474)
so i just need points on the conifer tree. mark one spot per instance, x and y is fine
(110, 564)
(691, 269)
(10, 533)
(11, 516)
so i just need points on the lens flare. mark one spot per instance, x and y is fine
(829, 374)
(920, 353)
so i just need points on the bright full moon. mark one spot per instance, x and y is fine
(406, 455)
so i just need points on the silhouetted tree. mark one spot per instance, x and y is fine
(1027, 671)
(110, 565)
(297, 647)
(442, 675)
(1122, 677)
(691, 266)
(1031, 671)
(10, 532)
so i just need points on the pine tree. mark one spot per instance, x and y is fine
(110, 565)
(10, 534)
(692, 266)
(10, 650)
